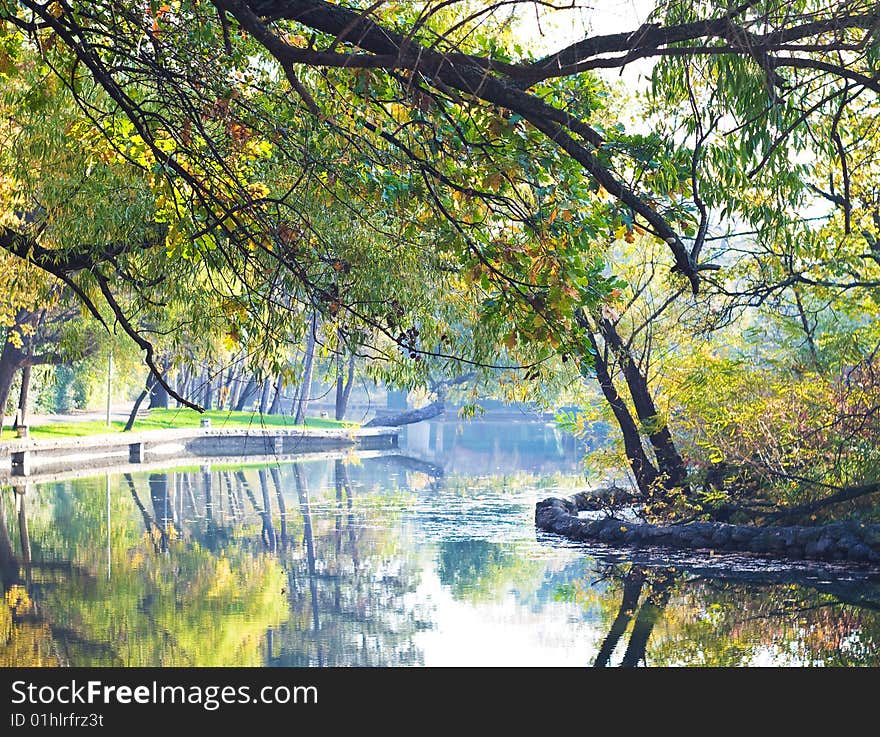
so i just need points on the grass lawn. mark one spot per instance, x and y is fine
(164, 419)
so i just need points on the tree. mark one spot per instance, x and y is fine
(441, 150)
(44, 336)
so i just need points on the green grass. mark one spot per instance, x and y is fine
(165, 419)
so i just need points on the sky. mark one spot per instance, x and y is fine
(550, 30)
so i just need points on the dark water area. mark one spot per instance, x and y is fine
(425, 557)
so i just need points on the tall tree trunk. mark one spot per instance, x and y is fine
(246, 394)
(669, 462)
(21, 419)
(275, 407)
(343, 388)
(265, 395)
(10, 360)
(158, 396)
(183, 383)
(642, 468)
(148, 388)
(234, 383)
(222, 387)
(306, 389)
(209, 390)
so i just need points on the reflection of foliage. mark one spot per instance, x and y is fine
(734, 624)
(186, 606)
(337, 583)
(350, 581)
(513, 483)
(710, 622)
(67, 391)
(480, 570)
(466, 565)
(25, 641)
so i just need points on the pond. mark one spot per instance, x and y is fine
(425, 557)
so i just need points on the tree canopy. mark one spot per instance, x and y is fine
(428, 186)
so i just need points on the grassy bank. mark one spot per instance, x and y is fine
(173, 419)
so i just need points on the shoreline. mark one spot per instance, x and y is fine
(26, 457)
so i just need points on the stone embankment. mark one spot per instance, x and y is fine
(842, 541)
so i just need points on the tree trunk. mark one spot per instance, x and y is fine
(669, 461)
(246, 394)
(275, 407)
(642, 468)
(158, 396)
(306, 390)
(209, 390)
(222, 388)
(233, 384)
(343, 388)
(265, 394)
(183, 383)
(809, 331)
(21, 419)
(10, 361)
(148, 388)
(409, 416)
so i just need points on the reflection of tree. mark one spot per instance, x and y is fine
(317, 563)
(348, 581)
(25, 637)
(648, 615)
(480, 569)
(632, 590)
(9, 568)
(282, 507)
(726, 618)
(724, 623)
(302, 492)
(170, 600)
(219, 567)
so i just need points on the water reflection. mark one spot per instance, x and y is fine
(383, 561)
(518, 442)
(687, 615)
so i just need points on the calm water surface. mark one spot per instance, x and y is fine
(428, 557)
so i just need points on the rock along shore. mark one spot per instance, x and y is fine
(840, 541)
